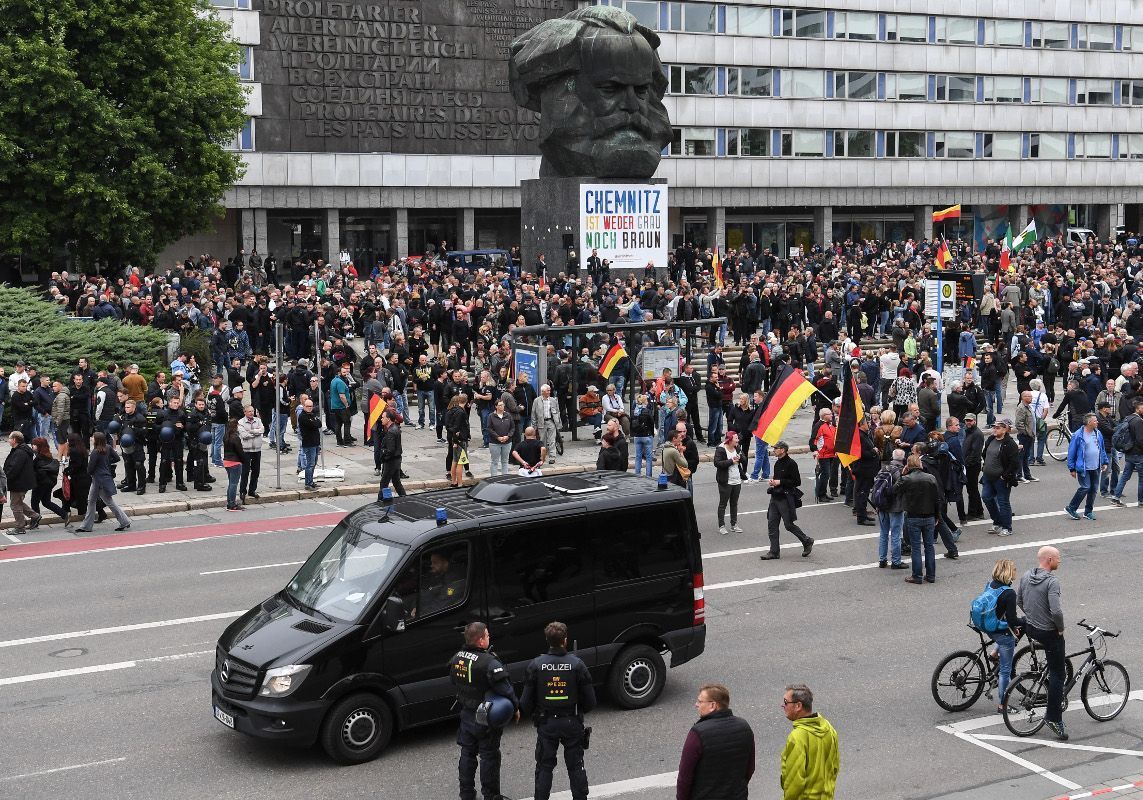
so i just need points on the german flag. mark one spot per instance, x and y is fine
(944, 257)
(789, 391)
(613, 357)
(376, 409)
(847, 444)
(717, 267)
(952, 212)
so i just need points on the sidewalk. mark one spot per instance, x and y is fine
(1131, 786)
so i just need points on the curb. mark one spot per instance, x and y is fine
(201, 503)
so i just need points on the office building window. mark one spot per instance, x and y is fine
(646, 11)
(1049, 90)
(955, 144)
(1048, 145)
(906, 86)
(855, 25)
(854, 144)
(1132, 93)
(244, 69)
(803, 83)
(904, 144)
(748, 142)
(1003, 145)
(1004, 32)
(803, 144)
(750, 81)
(1006, 89)
(956, 88)
(1096, 37)
(1131, 145)
(906, 28)
(855, 85)
(692, 80)
(230, 3)
(749, 21)
(1132, 38)
(1052, 35)
(956, 30)
(803, 23)
(1093, 145)
(1094, 92)
(244, 139)
(693, 17)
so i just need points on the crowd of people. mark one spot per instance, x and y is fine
(437, 335)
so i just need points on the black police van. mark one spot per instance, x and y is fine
(357, 644)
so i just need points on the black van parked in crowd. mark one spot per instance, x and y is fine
(356, 646)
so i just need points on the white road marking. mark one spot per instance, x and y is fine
(963, 553)
(1058, 745)
(12, 538)
(663, 780)
(63, 769)
(331, 505)
(118, 665)
(117, 548)
(138, 626)
(1015, 759)
(805, 507)
(260, 566)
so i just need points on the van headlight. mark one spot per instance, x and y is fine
(281, 681)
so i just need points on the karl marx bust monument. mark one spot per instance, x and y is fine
(596, 80)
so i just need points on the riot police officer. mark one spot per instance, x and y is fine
(475, 671)
(152, 414)
(198, 453)
(133, 421)
(171, 449)
(557, 693)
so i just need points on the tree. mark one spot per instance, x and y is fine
(113, 118)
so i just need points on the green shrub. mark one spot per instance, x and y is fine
(33, 330)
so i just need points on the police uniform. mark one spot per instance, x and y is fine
(198, 454)
(557, 693)
(135, 457)
(171, 453)
(475, 671)
(152, 415)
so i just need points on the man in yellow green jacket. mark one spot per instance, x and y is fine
(810, 760)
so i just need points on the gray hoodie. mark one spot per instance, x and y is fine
(1039, 596)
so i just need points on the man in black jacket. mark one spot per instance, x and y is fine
(20, 473)
(864, 471)
(1001, 471)
(973, 449)
(785, 496)
(387, 455)
(718, 755)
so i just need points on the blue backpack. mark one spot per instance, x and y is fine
(983, 610)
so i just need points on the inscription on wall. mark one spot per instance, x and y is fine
(403, 76)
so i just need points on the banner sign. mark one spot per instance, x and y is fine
(526, 361)
(626, 223)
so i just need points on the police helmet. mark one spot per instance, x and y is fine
(167, 433)
(205, 436)
(500, 709)
(127, 442)
(114, 426)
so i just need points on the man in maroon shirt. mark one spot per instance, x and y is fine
(718, 755)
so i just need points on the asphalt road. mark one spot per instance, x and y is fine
(105, 655)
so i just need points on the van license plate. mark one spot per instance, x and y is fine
(223, 717)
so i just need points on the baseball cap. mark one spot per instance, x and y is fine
(1006, 422)
(968, 417)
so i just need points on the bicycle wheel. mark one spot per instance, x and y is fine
(1105, 690)
(1026, 704)
(560, 445)
(958, 680)
(1058, 442)
(1027, 659)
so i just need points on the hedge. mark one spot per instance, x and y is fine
(33, 330)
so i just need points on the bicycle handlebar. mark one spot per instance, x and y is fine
(1092, 629)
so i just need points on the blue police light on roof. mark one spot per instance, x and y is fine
(662, 480)
(442, 516)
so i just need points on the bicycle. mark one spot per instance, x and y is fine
(559, 443)
(964, 675)
(1059, 440)
(1027, 697)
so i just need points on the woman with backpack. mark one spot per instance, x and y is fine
(47, 473)
(1003, 618)
(457, 427)
(890, 509)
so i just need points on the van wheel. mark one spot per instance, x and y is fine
(637, 677)
(357, 729)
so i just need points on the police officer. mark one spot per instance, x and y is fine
(557, 693)
(198, 454)
(152, 414)
(133, 421)
(475, 670)
(171, 450)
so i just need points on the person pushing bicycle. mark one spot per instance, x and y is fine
(1039, 597)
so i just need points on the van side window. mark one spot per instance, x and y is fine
(640, 543)
(436, 581)
(541, 562)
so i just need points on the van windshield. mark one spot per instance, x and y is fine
(344, 574)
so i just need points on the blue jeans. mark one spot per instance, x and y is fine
(995, 495)
(714, 425)
(309, 457)
(402, 401)
(1006, 648)
(1131, 464)
(644, 449)
(1027, 444)
(425, 400)
(892, 523)
(499, 453)
(217, 431)
(620, 382)
(921, 530)
(277, 430)
(761, 460)
(994, 402)
(1110, 479)
(233, 478)
(485, 413)
(1088, 483)
(1041, 443)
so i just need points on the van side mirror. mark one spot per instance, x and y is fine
(393, 615)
